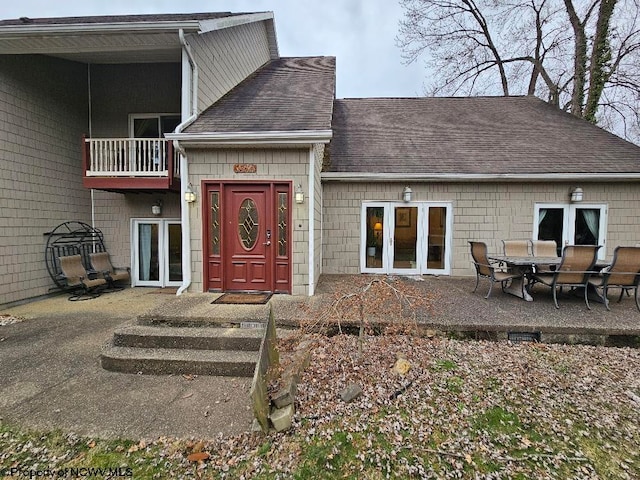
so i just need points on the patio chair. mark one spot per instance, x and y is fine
(544, 248)
(101, 263)
(515, 248)
(574, 270)
(488, 270)
(76, 278)
(624, 273)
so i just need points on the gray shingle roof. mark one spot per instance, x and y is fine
(286, 94)
(476, 135)
(172, 17)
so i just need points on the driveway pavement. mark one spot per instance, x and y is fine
(50, 376)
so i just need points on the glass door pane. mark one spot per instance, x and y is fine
(436, 237)
(148, 267)
(374, 236)
(550, 226)
(587, 226)
(174, 256)
(405, 238)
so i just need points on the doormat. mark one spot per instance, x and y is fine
(243, 298)
(171, 291)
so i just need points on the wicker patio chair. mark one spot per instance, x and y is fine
(574, 270)
(101, 263)
(488, 270)
(624, 273)
(76, 278)
(515, 248)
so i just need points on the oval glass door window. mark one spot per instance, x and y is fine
(248, 223)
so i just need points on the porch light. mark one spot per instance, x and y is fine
(189, 194)
(156, 208)
(576, 194)
(406, 194)
(299, 194)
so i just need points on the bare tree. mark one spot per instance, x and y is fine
(581, 55)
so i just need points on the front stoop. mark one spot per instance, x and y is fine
(161, 350)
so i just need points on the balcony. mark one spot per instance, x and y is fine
(130, 164)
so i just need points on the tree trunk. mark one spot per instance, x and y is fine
(600, 58)
(579, 60)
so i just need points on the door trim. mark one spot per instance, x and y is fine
(163, 249)
(422, 246)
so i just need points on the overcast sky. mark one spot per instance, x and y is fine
(359, 33)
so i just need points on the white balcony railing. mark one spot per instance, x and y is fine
(131, 157)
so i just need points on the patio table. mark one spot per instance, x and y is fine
(526, 266)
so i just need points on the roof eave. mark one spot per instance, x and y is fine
(89, 28)
(481, 177)
(290, 137)
(194, 25)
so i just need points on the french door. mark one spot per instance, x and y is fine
(572, 224)
(406, 238)
(156, 253)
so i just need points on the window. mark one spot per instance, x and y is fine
(152, 125)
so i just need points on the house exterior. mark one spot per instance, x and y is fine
(210, 163)
(482, 168)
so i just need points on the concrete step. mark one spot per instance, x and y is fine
(164, 361)
(194, 338)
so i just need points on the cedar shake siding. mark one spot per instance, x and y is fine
(488, 212)
(226, 57)
(43, 114)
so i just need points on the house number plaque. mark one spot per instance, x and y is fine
(245, 168)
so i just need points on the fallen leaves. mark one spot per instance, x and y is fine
(465, 409)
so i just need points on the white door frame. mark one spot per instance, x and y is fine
(422, 247)
(569, 222)
(163, 249)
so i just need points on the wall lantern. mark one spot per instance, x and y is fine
(189, 194)
(299, 194)
(156, 208)
(406, 194)
(576, 194)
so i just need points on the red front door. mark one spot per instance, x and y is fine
(248, 237)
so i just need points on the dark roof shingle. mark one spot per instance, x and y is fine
(286, 94)
(473, 135)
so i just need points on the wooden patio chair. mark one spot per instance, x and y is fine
(574, 270)
(76, 278)
(624, 273)
(488, 270)
(101, 264)
(515, 248)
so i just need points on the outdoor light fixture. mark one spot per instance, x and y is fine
(156, 208)
(576, 194)
(406, 194)
(189, 194)
(299, 194)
